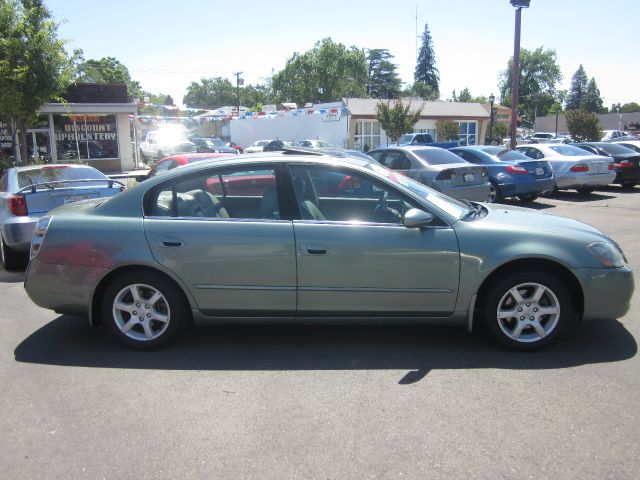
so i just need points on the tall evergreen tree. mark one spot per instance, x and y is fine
(592, 101)
(384, 81)
(426, 71)
(578, 89)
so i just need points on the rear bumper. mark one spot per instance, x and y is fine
(578, 180)
(476, 193)
(536, 187)
(607, 292)
(17, 232)
(627, 175)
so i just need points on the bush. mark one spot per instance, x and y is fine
(583, 126)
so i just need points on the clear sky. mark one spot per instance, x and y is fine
(168, 44)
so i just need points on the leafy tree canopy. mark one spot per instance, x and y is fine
(423, 90)
(34, 66)
(210, 93)
(396, 119)
(447, 130)
(626, 108)
(583, 126)
(592, 102)
(465, 96)
(578, 89)
(107, 70)
(327, 72)
(384, 81)
(539, 77)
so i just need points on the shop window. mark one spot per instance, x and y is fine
(367, 135)
(86, 137)
(467, 133)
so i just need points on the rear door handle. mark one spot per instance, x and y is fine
(166, 241)
(313, 249)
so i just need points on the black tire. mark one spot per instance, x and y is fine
(172, 306)
(629, 184)
(495, 195)
(12, 259)
(585, 190)
(528, 329)
(530, 197)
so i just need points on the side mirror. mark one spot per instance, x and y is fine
(415, 218)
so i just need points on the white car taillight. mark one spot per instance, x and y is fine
(38, 236)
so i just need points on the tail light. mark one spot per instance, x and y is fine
(448, 174)
(17, 205)
(580, 167)
(38, 236)
(517, 169)
(622, 164)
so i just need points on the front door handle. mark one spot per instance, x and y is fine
(313, 249)
(167, 241)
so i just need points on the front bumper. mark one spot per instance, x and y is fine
(607, 291)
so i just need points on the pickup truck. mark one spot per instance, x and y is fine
(161, 143)
(424, 139)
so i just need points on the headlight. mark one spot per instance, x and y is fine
(38, 236)
(607, 254)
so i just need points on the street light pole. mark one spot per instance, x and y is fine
(492, 99)
(519, 4)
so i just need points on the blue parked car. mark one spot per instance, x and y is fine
(511, 174)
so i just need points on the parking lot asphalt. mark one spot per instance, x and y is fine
(324, 402)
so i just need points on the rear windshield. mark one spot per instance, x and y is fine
(614, 149)
(57, 173)
(511, 155)
(435, 156)
(569, 151)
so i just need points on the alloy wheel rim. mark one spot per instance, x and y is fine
(141, 312)
(528, 312)
(493, 193)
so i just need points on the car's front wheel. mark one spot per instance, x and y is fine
(529, 197)
(10, 258)
(526, 310)
(494, 193)
(144, 310)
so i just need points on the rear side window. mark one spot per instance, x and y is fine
(437, 156)
(55, 173)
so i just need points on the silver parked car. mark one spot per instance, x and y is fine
(438, 169)
(305, 237)
(28, 192)
(573, 167)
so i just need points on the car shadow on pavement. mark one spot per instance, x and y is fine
(69, 341)
(571, 196)
(11, 277)
(535, 205)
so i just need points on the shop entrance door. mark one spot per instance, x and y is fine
(39, 145)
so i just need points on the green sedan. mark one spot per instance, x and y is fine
(318, 237)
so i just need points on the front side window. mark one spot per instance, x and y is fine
(326, 194)
(241, 193)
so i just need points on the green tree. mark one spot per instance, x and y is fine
(592, 101)
(500, 131)
(447, 130)
(423, 90)
(327, 72)
(154, 105)
(254, 95)
(578, 89)
(465, 96)
(34, 65)
(396, 119)
(583, 126)
(107, 70)
(426, 71)
(384, 81)
(629, 108)
(539, 76)
(210, 93)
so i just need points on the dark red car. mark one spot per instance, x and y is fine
(179, 160)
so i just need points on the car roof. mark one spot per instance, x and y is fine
(27, 168)
(408, 147)
(192, 156)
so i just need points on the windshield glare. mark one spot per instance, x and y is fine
(435, 156)
(570, 151)
(450, 205)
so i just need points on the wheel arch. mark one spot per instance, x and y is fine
(95, 317)
(537, 264)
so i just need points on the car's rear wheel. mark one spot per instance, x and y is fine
(494, 193)
(585, 190)
(144, 310)
(629, 184)
(526, 310)
(11, 259)
(530, 197)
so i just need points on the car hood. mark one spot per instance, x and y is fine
(526, 219)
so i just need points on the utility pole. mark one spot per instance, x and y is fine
(239, 81)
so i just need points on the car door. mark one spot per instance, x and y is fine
(354, 255)
(220, 231)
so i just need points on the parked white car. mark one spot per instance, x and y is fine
(573, 167)
(609, 135)
(257, 146)
(542, 137)
(166, 141)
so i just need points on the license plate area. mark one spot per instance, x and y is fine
(76, 198)
(469, 177)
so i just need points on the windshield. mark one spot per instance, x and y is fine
(57, 173)
(449, 205)
(437, 156)
(570, 151)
